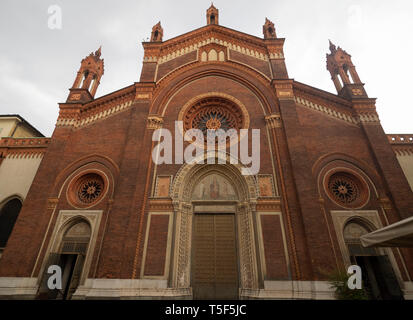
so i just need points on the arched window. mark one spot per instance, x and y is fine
(85, 75)
(155, 36)
(213, 55)
(93, 83)
(212, 19)
(8, 217)
(352, 232)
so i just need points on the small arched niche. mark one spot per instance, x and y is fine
(8, 217)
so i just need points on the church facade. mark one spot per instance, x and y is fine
(121, 225)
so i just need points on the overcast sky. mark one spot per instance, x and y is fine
(38, 65)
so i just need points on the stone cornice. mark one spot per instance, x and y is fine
(400, 139)
(402, 144)
(77, 115)
(346, 116)
(23, 147)
(195, 44)
(232, 39)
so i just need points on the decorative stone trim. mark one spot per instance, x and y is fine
(276, 55)
(24, 154)
(161, 205)
(193, 47)
(274, 120)
(154, 122)
(129, 289)
(330, 112)
(18, 287)
(24, 142)
(266, 188)
(76, 123)
(143, 96)
(291, 290)
(400, 139)
(403, 150)
(17, 148)
(269, 205)
(369, 118)
(52, 203)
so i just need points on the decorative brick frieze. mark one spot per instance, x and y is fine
(23, 147)
(93, 117)
(170, 54)
(268, 205)
(400, 139)
(369, 118)
(326, 110)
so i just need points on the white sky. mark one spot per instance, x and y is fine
(38, 65)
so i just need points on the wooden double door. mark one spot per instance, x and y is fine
(214, 257)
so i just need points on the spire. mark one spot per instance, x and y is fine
(343, 72)
(268, 29)
(88, 77)
(157, 33)
(333, 48)
(212, 15)
(98, 52)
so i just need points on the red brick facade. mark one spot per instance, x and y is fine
(306, 134)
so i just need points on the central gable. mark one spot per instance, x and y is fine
(161, 58)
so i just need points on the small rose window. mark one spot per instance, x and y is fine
(87, 190)
(347, 190)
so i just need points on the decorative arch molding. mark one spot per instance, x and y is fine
(238, 105)
(251, 80)
(83, 161)
(357, 164)
(246, 189)
(102, 165)
(358, 219)
(367, 218)
(65, 220)
(246, 186)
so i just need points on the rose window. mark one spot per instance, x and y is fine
(86, 190)
(346, 189)
(90, 190)
(213, 114)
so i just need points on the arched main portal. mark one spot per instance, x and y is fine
(214, 203)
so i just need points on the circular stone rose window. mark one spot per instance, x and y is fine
(213, 113)
(86, 190)
(347, 190)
